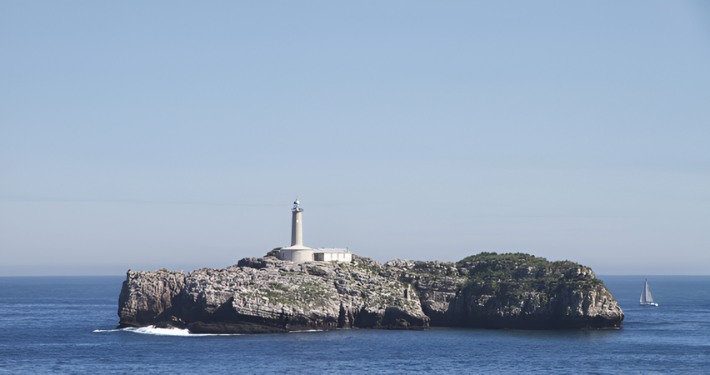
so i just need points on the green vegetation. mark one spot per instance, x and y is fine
(168, 271)
(274, 252)
(304, 293)
(277, 286)
(507, 259)
(516, 277)
(374, 270)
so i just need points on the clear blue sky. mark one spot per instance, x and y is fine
(176, 134)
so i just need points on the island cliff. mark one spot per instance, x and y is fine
(261, 295)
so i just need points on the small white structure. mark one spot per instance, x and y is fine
(332, 254)
(299, 253)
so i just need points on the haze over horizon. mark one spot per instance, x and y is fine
(176, 134)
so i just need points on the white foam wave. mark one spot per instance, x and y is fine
(153, 330)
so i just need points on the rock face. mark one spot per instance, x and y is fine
(268, 295)
(510, 291)
(147, 296)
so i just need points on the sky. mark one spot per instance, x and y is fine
(141, 135)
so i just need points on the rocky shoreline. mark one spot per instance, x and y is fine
(263, 295)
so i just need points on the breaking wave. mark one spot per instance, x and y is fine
(153, 330)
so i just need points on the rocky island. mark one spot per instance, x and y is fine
(261, 295)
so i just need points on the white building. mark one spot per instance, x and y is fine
(332, 254)
(299, 253)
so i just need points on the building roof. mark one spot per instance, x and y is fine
(331, 250)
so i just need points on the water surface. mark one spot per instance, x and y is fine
(66, 324)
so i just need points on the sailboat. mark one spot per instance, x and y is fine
(646, 299)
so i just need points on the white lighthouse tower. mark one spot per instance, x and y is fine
(296, 252)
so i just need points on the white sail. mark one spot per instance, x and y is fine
(649, 299)
(646, 298)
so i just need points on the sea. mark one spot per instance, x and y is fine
(68, 325)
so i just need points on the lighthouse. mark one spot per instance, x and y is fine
(296, 252)
(296, 225)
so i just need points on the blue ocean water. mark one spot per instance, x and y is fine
(66, 324)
